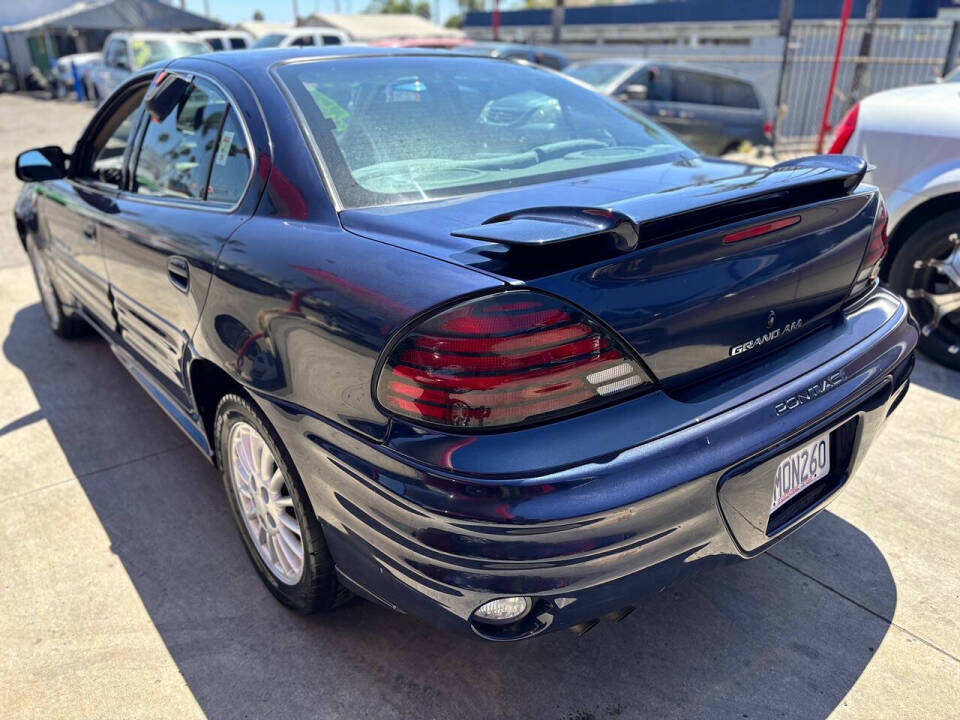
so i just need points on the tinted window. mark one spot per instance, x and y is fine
(331, 40)
(231, 163)
(176, 154)
(399, 128)
(215, 43)
(693, 87)
(238, 43)
(658, 81)
(554, 62)
(117, 54)
(735, 93)
(303, 41)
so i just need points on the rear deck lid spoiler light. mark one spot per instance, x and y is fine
(661, 215)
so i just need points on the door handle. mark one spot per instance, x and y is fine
(664, 113)
(90, 231)
(179, 273)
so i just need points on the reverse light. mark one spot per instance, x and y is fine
(844, 131)
(505, 359)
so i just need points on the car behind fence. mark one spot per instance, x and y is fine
(793, 77)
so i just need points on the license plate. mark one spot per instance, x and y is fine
(800, 470)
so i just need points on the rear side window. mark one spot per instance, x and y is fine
(238, 43)
(231, 163)
(302, 41)
(734, 93)
(177, 155)
(331, 40)
(693, 87)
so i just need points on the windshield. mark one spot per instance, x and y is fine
(271, 40)
(151, 51)
(596, 74)
(410, 128)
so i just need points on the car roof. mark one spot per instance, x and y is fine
(263, 58)
(145, 35)
(933, 94)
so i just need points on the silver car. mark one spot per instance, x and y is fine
(912, 136)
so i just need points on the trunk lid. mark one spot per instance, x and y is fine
(699, 265)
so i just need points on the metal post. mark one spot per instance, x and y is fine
(557, 21)
(873, 9)
(824, 124)
(786, 25)
(495, 19)
(952, 48)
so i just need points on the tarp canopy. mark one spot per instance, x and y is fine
(117, 15)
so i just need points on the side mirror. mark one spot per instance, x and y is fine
(46, 163)
(165, 94)
(635, 92)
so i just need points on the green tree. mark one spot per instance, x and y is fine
(454, 21)
(257, 16)
(386, 7)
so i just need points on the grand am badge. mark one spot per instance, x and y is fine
(767, 336)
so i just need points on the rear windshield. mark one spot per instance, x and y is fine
(151, 51)
(596, 74)
(398, 129)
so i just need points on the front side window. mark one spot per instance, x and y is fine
(597, 74)
(216, 43)
(693, 87)
(110, 144)
(406, 128)
(176, 154)
(117, 54)
(238, 43)
(302, 41)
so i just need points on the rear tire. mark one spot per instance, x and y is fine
(912, 276)
(267, 506)
(63, 324)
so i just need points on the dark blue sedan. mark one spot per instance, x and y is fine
(462, 336)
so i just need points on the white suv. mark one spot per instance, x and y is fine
(126, 52)
(303, 37)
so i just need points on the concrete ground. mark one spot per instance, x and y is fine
(125, 591)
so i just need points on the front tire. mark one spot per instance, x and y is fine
(281, 532)
(926, 271)
(64, 325)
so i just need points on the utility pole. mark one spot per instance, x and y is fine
(296, 12)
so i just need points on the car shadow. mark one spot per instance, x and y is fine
(756, 639)
(938, 378)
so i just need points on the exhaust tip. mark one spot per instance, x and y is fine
(618, 615)
(584, 627)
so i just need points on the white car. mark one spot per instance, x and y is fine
(912, 136)
(126, 52)
(226, 39)
(303, 37)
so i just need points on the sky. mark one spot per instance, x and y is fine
(232, 11)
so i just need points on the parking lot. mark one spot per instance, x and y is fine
(126, 591)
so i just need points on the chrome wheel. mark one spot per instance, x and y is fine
(938, 287)
(268, 511)
(47, 294)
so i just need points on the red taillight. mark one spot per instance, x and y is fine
(504, 360)
(768, 130)
(844, 130)
(876, 251)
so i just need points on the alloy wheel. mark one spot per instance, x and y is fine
(267, 508)
(936, 284)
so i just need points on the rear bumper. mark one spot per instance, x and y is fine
(592, 538)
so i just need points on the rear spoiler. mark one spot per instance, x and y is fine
(665, 214)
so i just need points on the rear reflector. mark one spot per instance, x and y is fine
(506, 359)
(762, 229)
(844, 131)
